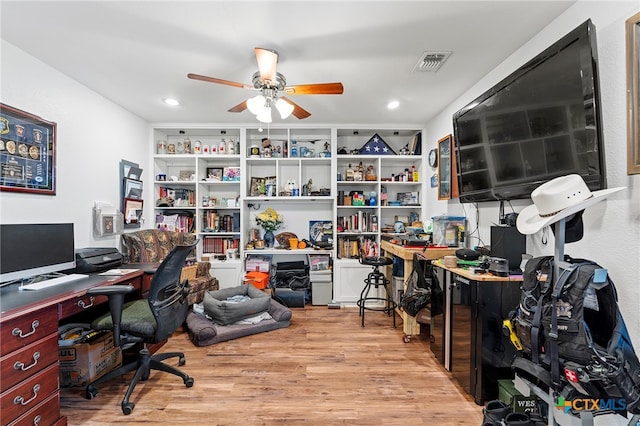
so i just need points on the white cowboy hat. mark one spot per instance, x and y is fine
(557, 199)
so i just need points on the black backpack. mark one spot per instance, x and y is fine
(573, 334)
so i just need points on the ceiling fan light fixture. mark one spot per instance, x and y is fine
(284, 108)
(256, 104)
(264, 116)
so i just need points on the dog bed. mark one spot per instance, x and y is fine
(230, 305)
(219, 321)
(204, 332)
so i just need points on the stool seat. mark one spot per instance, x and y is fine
(376, 279)
(377, 261)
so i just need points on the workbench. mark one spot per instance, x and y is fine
(410, 326)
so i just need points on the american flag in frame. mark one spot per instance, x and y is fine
(376, 146)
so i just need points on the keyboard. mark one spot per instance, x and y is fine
(53, 282)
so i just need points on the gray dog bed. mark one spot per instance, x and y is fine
(204, 332)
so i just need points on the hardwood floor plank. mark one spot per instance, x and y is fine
(325, 369)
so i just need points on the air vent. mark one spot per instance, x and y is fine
(431, 61)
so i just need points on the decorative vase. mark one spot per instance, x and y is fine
(269, 239)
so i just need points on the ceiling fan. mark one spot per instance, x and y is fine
(272, 85)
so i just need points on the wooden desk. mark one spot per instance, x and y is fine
(30, 392)
(410, 326)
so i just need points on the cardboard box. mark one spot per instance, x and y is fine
(83, 363)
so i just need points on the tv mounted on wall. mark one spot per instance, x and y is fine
(541, 122)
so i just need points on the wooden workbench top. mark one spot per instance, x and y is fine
(406, 253)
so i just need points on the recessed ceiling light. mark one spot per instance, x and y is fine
(171, 101)
(393, 104)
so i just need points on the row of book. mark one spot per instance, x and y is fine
(351, 247)
(361, 222)
(175, 222)
(212, 221)
(219, 245)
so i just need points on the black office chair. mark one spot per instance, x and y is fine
(375, 279)
(149, 320)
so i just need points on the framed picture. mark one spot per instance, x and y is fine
(27, 152)
(214, 174)
(185, 175)
(231, 174)
(132, 188)
(633, 94)
(132, 210)
(258, 187)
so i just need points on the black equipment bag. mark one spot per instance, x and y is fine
(573, 329)
(293, 275)
(417, 294)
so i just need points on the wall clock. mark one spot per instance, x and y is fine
(433, 157)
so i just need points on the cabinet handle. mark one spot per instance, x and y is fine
(36, 420)
(83, 306)
(19, 365)
(20, 400)
(17, 332)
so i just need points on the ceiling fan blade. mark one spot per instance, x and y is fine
(240, 107)
(218, 80)
(315, 89)
(267, 62)
(298, 111)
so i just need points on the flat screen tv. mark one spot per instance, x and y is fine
(28, 250)
(541, 122)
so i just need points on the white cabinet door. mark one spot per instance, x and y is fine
(228, 273)
(349, 276)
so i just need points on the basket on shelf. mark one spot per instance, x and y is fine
(189, 273)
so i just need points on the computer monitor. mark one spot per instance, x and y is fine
(31, 249)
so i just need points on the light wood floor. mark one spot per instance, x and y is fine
(323, 370)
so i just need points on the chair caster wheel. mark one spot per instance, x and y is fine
(188, 382)
(406, 339)
(90, 394)
(128, 408)
(182, 361)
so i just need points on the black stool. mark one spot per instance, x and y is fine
(376, 279)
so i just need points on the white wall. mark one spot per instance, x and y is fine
(93, 135)
(612, 228)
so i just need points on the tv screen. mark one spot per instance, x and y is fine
(541, 122)
(27, 250)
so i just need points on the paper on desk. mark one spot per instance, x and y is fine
(118, 272)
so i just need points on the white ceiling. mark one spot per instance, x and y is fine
(137, 52)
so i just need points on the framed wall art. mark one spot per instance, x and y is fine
(27, 152)
(633, 94)
(132, 210)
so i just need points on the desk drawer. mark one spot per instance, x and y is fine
(46, 413)
(25, 362)
(28, 328)
(80, 304)
(23, 397)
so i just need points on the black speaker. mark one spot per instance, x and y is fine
(508, 243)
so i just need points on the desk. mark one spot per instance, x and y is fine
(29, 320)
(409, 324)
(467, 329)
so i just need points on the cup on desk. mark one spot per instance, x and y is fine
(293, 243)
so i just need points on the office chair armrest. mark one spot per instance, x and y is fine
(109, 290)
(116, 295)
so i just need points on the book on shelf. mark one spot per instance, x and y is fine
(212, 221)
(219, 244)
(358, 222)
